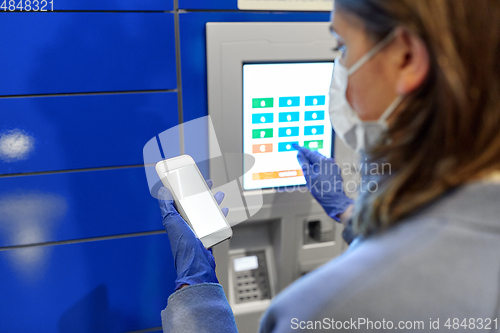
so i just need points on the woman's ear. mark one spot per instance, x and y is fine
(413, 60)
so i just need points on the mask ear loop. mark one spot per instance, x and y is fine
(391, 108)
(372, 52)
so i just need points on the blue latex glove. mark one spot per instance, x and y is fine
(324, 181)
(194, 264)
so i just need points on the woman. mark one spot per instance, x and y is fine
(418, 89)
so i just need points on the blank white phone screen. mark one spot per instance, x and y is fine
(197, 202)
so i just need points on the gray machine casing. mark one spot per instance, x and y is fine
(281, 226)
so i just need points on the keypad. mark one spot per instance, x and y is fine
(253, 285)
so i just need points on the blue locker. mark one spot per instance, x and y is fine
(203, 4)
(115, 285)
(75, 132)
(52, 53)
(76, 205)
(153, 5)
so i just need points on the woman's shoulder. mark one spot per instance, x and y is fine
(327, 288)
(431, 264)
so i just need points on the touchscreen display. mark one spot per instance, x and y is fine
(283, 104)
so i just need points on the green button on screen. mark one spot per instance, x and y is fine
(260, 103)
(262, 133)
(314, 145)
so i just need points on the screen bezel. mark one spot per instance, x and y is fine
(285, 188)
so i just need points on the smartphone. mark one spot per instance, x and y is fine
(194, 200)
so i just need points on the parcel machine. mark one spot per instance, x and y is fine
(268, 86)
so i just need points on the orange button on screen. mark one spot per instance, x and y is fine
(277, 174)
(263, 148)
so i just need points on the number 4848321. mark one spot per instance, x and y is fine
(27, 5)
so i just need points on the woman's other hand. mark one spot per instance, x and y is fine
(324, 181)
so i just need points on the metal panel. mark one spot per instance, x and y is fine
(105, 286)
(87, 52)
(114, 5)
(56, 207)
(284, 213)
(74, 132)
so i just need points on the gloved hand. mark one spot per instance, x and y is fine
(194, 264)
(324, 181)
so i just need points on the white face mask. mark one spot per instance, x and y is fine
(357, 134)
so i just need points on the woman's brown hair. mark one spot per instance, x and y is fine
(448, 133)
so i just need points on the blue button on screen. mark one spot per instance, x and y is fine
(289, 116)
(262, 118)
(314, 115)
(315, 100)
(287, 146)
(314, 130)
(288, 131)
(289, 101)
